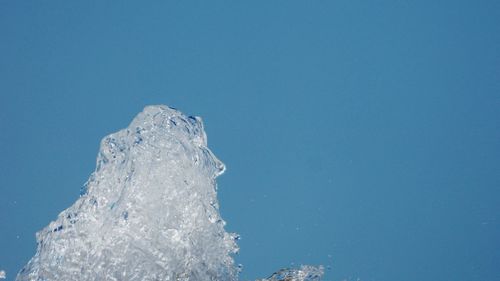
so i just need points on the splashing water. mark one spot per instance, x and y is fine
(148, 212)
(305, 273)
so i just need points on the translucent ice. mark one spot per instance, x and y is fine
(148, 212)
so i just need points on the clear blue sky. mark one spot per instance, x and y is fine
(361, 135)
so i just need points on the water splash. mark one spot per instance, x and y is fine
(305, 273)
(148, 212)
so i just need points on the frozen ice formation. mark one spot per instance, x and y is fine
(148, 212)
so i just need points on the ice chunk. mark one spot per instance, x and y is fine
(148, 212)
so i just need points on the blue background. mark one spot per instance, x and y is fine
(361, 135)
